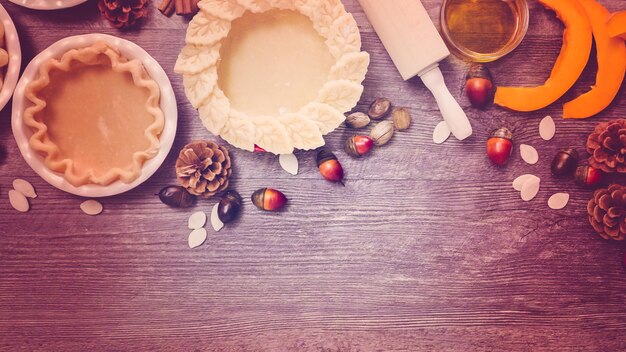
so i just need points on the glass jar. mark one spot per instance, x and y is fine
(483, 30)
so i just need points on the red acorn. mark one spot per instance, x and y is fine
(478, 85)
(500, 146)
(588, 176)
(357, 146)
(229, 206)
(269, 199)
(329, 166)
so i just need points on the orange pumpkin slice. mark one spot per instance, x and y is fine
(617, 25)
(569, 65)
(611, 56)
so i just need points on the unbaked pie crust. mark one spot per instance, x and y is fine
(276, 73)
(95, 115)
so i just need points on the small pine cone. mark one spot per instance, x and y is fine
(607, 212)
(607, 146)
(203, 168)
(122, 13)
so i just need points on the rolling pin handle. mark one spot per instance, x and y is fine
(452, 112)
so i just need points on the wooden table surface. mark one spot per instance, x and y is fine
(426, 248)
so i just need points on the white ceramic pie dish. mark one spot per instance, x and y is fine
(15, 58)
(47, 4)
(128, 49)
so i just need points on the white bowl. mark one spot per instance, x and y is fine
(12, 43)
(130, 50)
(47, 4)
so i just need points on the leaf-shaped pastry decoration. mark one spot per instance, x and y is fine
(303, 132)
(214, 111)
(352, 66)
(344, 37)
(272, 135)
(239, 131)
(195, 58)
(199, 86)
(341, 94)
(226, 9)
(287, 4)
(325, 117)
(205, 29)
(255, 6)
(325, 13)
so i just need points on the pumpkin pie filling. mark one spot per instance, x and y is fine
(96, 116)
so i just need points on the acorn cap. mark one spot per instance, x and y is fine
(324, 155)
(571, 152)
(502, 132)
(478, 71)
(233, 196)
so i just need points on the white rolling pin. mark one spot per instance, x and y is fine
(416, 48)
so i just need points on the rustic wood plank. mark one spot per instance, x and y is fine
(427, 247)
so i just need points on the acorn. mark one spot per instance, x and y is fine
(329, 166)
(229, 206)
(564, 162)
(357, 146)
(176, 197)
(379, 108)
(500, 146)
(479, 86)
(588, 176)
(269, 199)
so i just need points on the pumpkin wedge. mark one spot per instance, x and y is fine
(611, 56)
(617, 25)
(568, 66)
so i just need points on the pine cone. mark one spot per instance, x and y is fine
(607, 146)
(607, 212)
(203, 168)
(122, 13)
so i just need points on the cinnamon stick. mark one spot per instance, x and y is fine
(186, 7)
(167, 7)
(194, 6)
(179, 7)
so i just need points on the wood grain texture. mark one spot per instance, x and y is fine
(427, 248)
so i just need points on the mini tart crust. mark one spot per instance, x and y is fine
(100, 53)
(281, 134)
